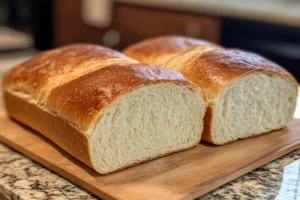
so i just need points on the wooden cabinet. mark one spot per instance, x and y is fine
(129, 24)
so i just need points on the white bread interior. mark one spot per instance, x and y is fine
(151, 120)
(252, 105)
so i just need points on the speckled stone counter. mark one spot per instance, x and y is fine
(21, 178)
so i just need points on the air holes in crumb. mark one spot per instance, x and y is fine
(290, 99)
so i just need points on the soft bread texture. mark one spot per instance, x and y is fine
(247, 94)
(103, 108)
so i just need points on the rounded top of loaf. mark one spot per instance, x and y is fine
(150, 49)
(77, 81)
(215, 69)
(208, 65)
(68, 61)
(81, 99)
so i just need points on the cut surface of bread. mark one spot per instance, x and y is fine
(103, 108)
(150, 121)
(254, 104)
(247, 94)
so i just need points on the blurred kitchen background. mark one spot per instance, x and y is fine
(267, 27)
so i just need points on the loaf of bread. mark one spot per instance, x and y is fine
(105, 109)
(247, 94)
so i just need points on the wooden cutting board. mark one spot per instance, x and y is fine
(184, 175)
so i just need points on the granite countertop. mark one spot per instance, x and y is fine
(285, 12)
(24, 179)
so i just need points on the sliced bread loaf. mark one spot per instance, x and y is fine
(103, 108)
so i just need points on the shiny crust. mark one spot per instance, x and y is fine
(80, 100)
(33, 75)
(90, 78)
(147, 50)
(212, 70)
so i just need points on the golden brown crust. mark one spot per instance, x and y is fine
(148, 50)
(206, 135)
(213, 70)
(53, 127)
(80, 100)
(35, 73)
